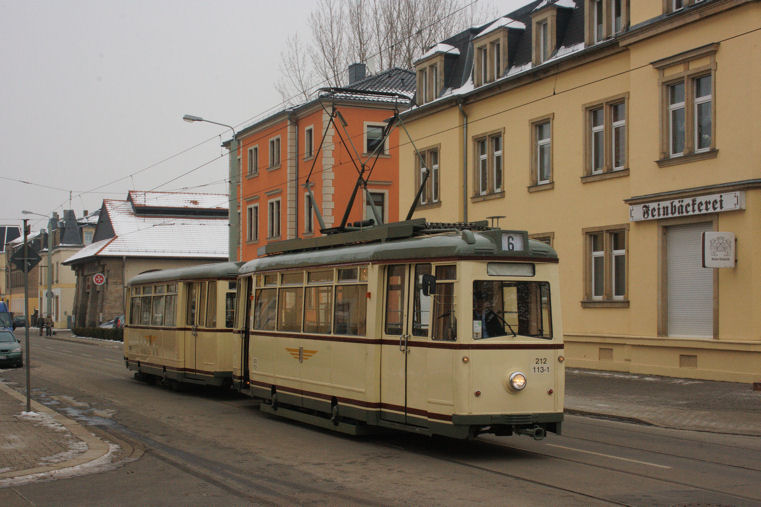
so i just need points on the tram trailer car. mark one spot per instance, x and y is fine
(449, 332)
(179, 325)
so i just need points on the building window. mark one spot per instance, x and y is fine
(374, 139)
(428, 161)
(677, 5)
(606, 137)
(273, 219)
(489, 164)
(308, 142)
(483, 64)
(275, 152)
(252, 223)
(434, 82)
(308, 214)
(379, 201)
(497, 59)
(605, 19)
(541, 161)
(423, 85)
(544, 41)
(688, 128)
(606, 265)
(544, 237)
(253, 161)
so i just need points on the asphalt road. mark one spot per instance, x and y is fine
(203, 447)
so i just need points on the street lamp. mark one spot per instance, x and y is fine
(233, 217)
(52, 223)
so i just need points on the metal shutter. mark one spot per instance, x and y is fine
(690, 286)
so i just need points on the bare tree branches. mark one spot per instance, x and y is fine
(380, 33)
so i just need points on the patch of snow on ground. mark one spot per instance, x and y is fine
(76, 447)
(42, 420)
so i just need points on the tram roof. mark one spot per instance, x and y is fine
(217, 270)
(454, 244)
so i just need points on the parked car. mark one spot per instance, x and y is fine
(115, 323)
(10, 349)
(19, 321)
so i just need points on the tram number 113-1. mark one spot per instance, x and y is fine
(541, 365)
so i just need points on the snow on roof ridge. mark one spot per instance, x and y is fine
(441, 47)
(502, 22)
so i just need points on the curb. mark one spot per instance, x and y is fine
(96, 448)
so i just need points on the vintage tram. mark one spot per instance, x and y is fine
(450, 329)
(179, 325)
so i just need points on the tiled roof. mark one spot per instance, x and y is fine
(158, 236)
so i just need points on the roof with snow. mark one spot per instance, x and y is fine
(184, 232)
(458, 71)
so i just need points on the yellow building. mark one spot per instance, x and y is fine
(625, 133)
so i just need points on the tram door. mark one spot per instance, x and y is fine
(403, 361)
(194, 306)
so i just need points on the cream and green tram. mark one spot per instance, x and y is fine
(179, 324)
(450, 330)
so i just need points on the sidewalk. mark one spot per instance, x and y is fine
(44, 444)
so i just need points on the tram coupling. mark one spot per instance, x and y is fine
(537, 432)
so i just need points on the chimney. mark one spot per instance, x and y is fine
(357, 72)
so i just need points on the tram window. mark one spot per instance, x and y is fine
(270, 279)
(170, 307)
(363, 274)
(158, 311)
(324, 276)
(201, 303)
(148, 290)
(265, 309)
(160, 289)
(293, 278)
(211, 306)
(145, 316)
(394, 299)
(229, 309)
(444, 318)
(289, 311)
(350, 310)
(421, 308)
(190, 307)
(134, 314)
(317, 309)
(511, 308)
(347, 275)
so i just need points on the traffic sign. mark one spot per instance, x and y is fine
(31, 260)
(99, 278)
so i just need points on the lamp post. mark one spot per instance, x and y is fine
(52, 223)
(234, 170)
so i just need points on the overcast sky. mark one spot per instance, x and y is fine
(93, 91)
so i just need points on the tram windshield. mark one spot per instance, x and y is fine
(511, 308)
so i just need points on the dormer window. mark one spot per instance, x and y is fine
(490, 51)
(605, 19)
(544, 34)
(670, 6)
(430, 71)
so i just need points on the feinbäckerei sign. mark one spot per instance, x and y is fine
(688, 206)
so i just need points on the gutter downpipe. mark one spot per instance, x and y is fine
(464, 161)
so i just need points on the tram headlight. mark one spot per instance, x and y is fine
(516, 381)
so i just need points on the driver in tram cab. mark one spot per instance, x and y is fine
(486, 322)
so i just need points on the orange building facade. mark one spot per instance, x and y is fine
(282, 153)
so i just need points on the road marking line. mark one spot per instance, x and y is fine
(611, 456)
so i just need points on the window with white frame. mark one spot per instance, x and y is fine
(274, 152)
(428, 162)
(252, 222)
(605, 19)
(374, 138)
(483, 64)
(688, 128)
(544, 41)
(489, 158)
(599, 20)
(308, 142)
(423, 86)
(308, 214)
(606, 136)
(541, 165)
(606, 264)
(379, 201)
(497, 59)
(434, 81)
(253, 161)
(617, 16)
(273, 219)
